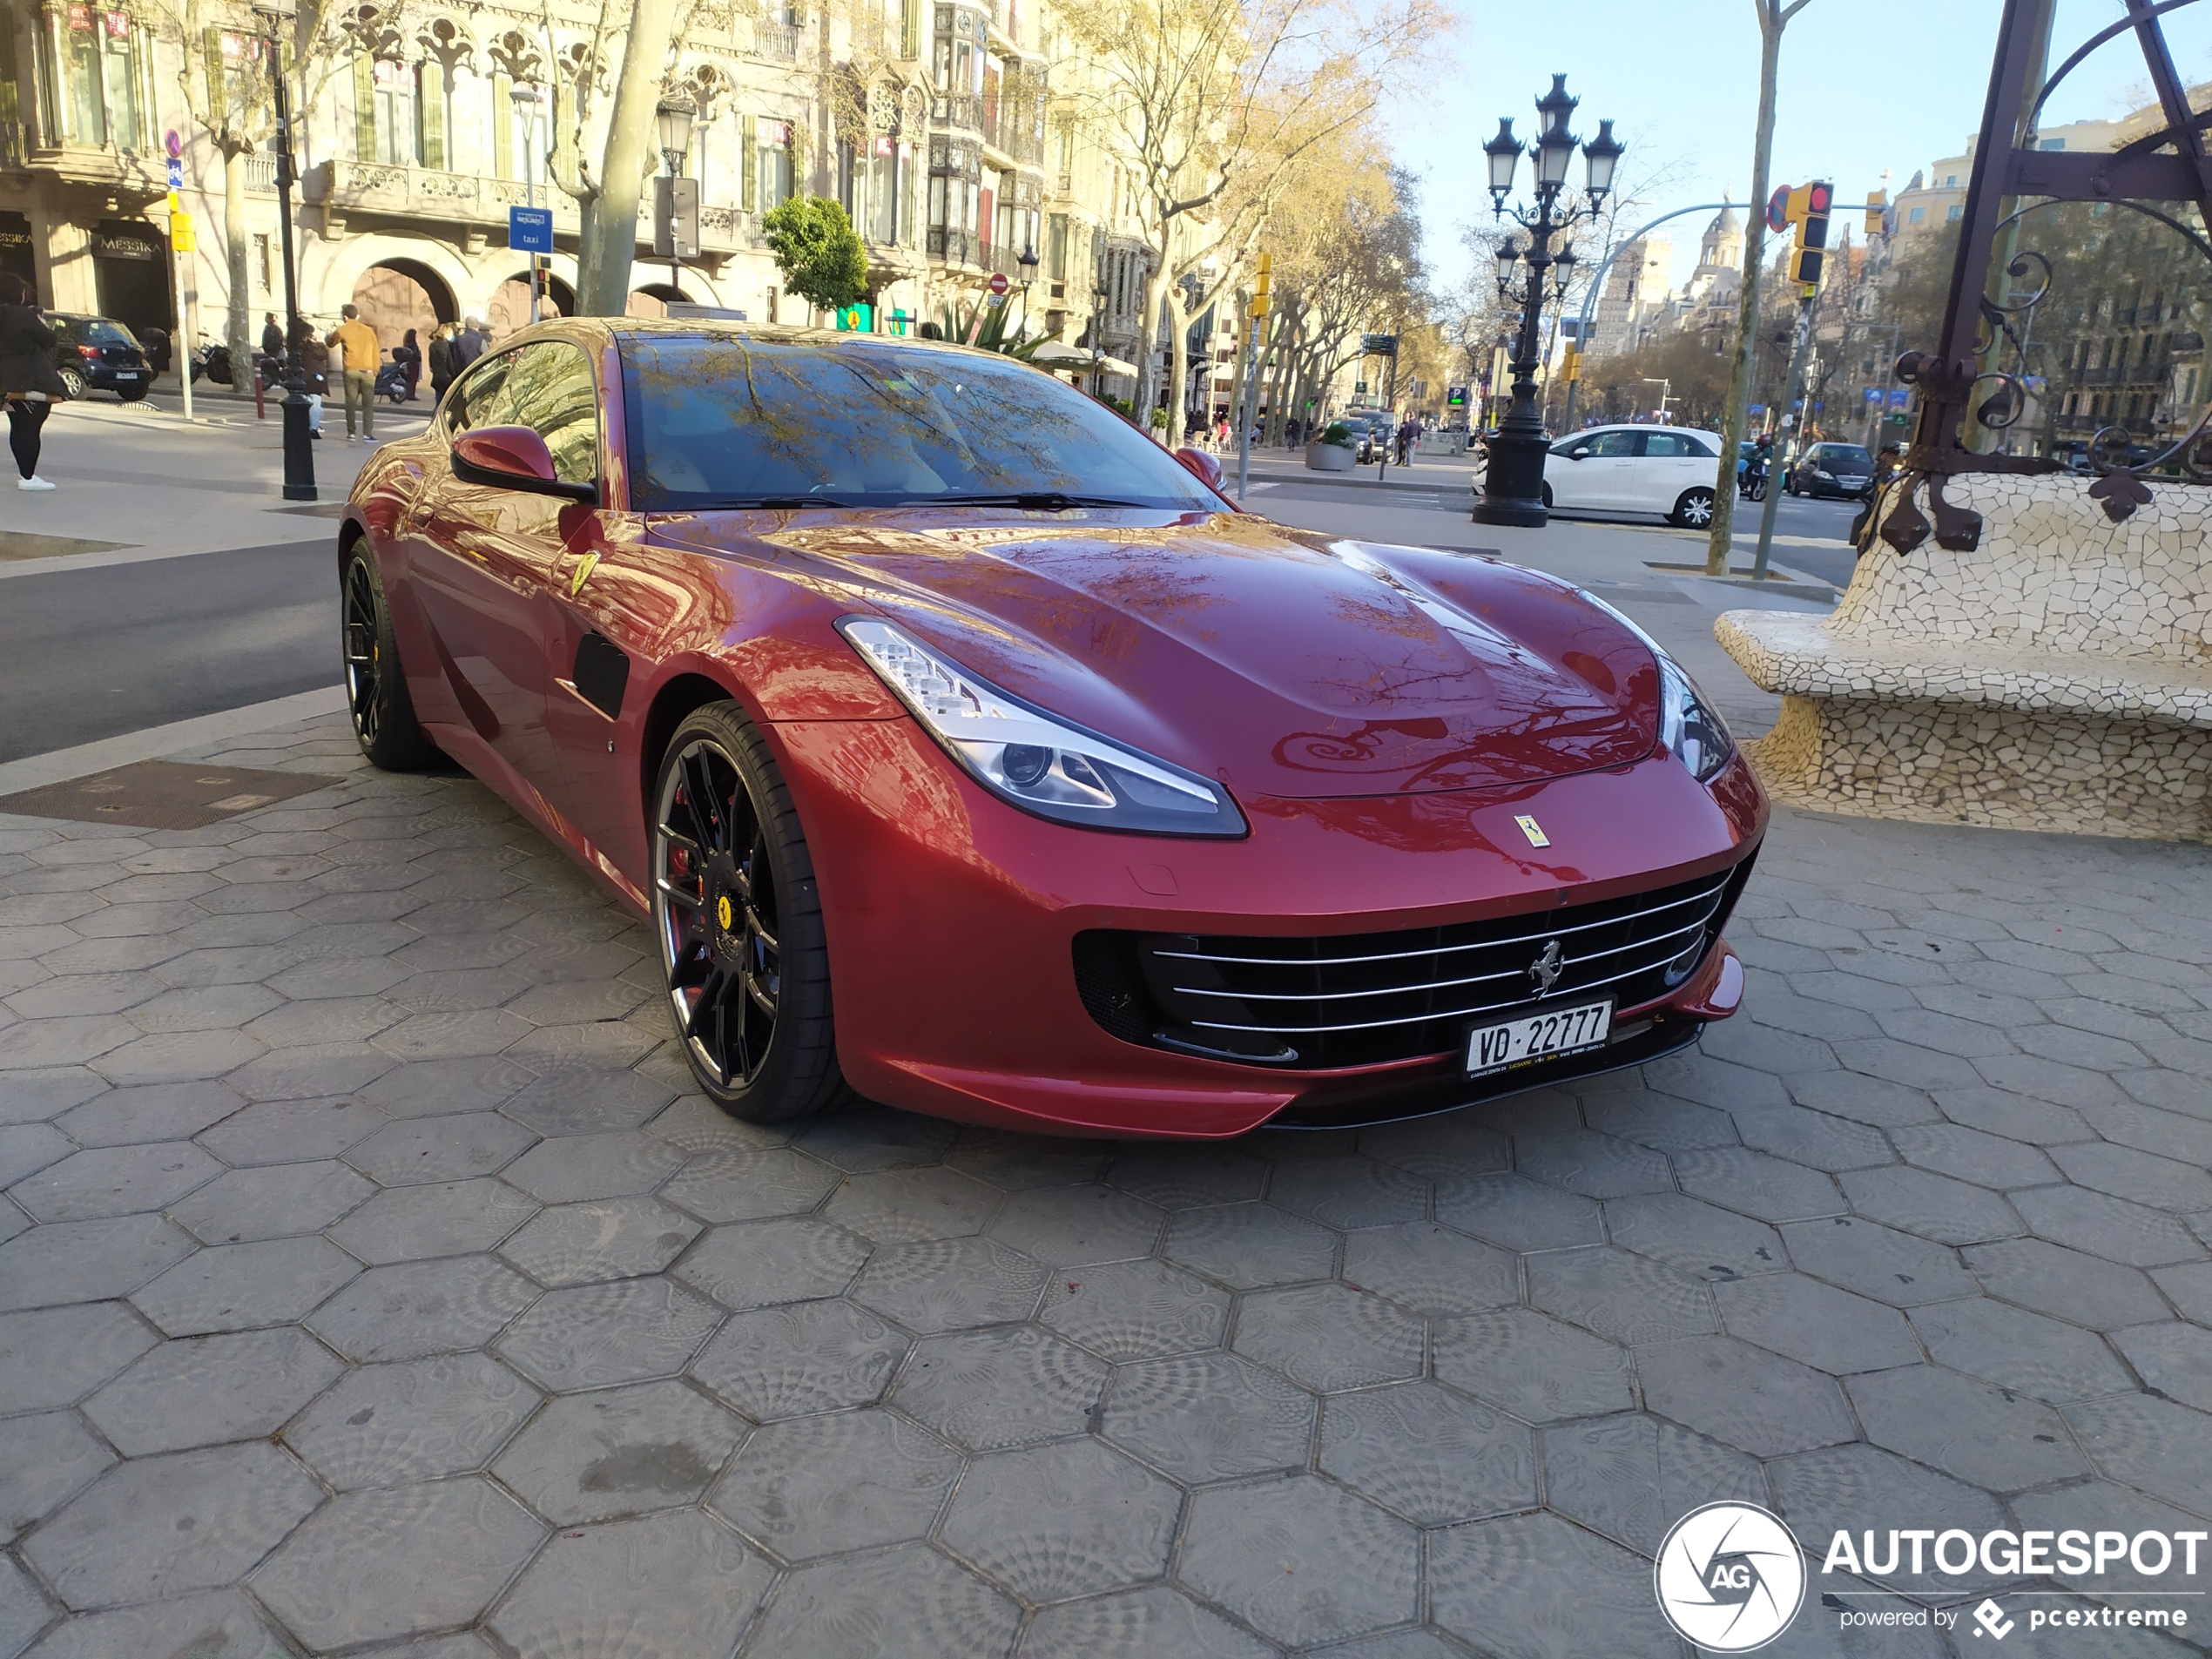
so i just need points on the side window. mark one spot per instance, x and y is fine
(550, 390)
(480, 399)
(1616, 445)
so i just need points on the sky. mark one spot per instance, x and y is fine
(1865, 85)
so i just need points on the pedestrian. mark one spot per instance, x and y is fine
(359, 352)
(445, 363)
(156, 340)
(314, 365)
(408, 354)
(271, 337)
(28, 383)
(471, 343)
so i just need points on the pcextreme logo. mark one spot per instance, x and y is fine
(1729, 1577)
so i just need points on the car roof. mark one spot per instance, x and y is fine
(1642, 426)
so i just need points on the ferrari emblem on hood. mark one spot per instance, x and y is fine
(1533, 830)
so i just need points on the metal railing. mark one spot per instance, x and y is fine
(779, 41)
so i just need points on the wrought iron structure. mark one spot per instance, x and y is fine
(1964, 380)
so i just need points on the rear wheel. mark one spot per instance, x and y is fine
(131, 393)
(72, 382)
(384, 723)
(1694, 511)
(1548, 498)
(739, 920)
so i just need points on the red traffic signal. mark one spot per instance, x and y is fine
(1822, 196)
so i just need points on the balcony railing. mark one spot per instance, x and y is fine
(346, 187)
(957, 110)
(15, 146)
(776, 41)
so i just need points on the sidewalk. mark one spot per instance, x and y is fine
(369, 1274)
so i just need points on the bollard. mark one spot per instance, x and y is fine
(260, 413)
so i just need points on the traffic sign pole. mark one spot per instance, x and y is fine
(179, 340)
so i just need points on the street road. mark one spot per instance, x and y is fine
(98, 651)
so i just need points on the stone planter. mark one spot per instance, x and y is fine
(1329, 457)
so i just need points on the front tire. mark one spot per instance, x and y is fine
(738, 917)
(383, 714)
(72, 383)
(1694, 511)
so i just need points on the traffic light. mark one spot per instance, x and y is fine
(1812, 229)
(1571, 367)
(1877, 208)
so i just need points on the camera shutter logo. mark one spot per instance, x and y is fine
(1729, 1577)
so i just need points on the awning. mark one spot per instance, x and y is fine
(1053, 354)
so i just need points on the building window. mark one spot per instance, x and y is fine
(1952, 212)
(773, 164)
(1055, 248)
(883, 190)
(100, 78)
(1916, 216)
(384, 112)
(2051, 143)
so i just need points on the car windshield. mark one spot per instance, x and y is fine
(735, 420)
(1843, 457)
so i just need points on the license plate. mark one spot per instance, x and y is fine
(1537, 1036)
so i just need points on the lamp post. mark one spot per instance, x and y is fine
(1098, 293)
(299, 447)
(1512, 487)
(674, 116)
(526, 108)
(1028, 262)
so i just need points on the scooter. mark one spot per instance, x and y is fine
(391, 382)
(1750, 481)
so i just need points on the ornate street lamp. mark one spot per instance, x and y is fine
(674, 118)
(299, 447)
(1028, 264)
(528, 101)
(1512, 484)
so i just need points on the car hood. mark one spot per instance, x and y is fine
(1282, 664)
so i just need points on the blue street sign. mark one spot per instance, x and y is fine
(1873, 395)
(176, 173)
(529, 230)
(1899, 398)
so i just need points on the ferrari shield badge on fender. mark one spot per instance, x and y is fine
(1533, 830)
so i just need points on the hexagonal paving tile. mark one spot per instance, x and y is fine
(1247, 1245)
(1071, 1519)
(1816, 1324)
(1136, 1310)
(1205, 1417)
(218, 1624)
(1428, 1454)
(114, 1181)
(421, 1308)
(1136, 1624)
(1983, 1434)
(951, 1284)
(278, 1201)
(1835, 1489)
(1629, 1298)
(1632, 1476)
(235, 1287)
(1876, 1261)
(811, 1356)
(759, 1264)
(1329, 1336)
(631, 1590)
(291, 1131)
(1350, 1192)
(397, 1561)
(902, 1206)
(57, 1356)
(1517, 1213)
(1187, 1176)
(445, 1219)
(1301, 1560)
(45, 1459)
(1530, 1587)
(155, 1112)
(1744, 1396)
(208, 1389)
(1700, 1239)
(820, 1485)
(1077, 1227)
(1535, 1367)
(619, 1451)
(390, 1424)
(1430, 1269)
(2158, 1446)
(2064, 1283)
(2018, 1350)
(161, 1526)
(910, 1601)
(992, 1390)
(594, 1166)
(1753, 1183)
(1597, 1166)
(750, 1185)
(420, 1150)
(595, 1335)
(600, 1238)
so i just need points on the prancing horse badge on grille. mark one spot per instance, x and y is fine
(1533, 830)
(1544, 972)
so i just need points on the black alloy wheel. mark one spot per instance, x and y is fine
(739, 920)
(376, 696)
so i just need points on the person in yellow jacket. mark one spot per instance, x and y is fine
(356, 344)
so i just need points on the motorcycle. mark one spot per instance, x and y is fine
(1751, 480)
(391, 382)
(213, 359)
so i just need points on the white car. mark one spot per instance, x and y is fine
(1664, 469)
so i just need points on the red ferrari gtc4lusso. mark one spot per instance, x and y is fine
(967, 750)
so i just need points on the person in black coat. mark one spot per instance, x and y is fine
(445, 362)
(28, 383)
(314, 363)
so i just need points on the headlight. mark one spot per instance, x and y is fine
(1689, 728)
(1042, 764)
(1823, 472)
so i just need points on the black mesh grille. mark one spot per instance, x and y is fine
(1365, 999)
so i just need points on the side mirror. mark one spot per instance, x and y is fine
(1206, 469)
(513, 457)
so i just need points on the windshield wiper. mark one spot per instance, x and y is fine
(784, 501)
(1036, 501)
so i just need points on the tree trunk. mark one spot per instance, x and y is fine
(1747, 310)
(238, 324)
(1178, 368)
(602, 268)
(1148, 339)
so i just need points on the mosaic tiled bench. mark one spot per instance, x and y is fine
(2059, 677)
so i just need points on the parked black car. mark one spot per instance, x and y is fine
(98, 353)
(1842, 469)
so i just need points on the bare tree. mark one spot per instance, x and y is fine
(1774, 17)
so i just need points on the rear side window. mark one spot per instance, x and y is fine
(1677, 445)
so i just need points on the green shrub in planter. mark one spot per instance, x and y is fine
(1338, 434)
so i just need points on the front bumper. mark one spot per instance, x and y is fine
(951, 921)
